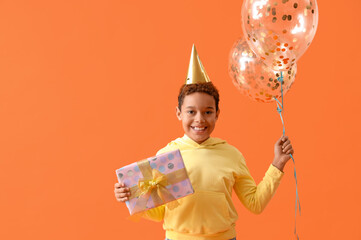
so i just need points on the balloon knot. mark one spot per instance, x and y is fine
(279, 110)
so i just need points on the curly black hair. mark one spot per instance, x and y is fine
(207, 88)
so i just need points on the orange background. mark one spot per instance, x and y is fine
(90, 86)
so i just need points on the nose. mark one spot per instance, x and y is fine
(199, 117)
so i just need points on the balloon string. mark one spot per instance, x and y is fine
(280, 110)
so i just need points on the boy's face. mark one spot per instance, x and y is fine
(198, 116)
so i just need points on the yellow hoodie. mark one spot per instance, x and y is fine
(214, 168)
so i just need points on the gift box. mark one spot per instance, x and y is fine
(155, 181)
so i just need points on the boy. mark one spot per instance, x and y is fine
(214, 168)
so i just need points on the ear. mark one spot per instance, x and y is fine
(217, 113)
(178, 113)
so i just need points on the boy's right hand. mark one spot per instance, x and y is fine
(121, 192)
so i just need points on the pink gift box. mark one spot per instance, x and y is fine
(165, 163)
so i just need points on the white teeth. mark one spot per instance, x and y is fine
(199, 129)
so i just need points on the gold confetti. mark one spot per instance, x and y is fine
(274, 11)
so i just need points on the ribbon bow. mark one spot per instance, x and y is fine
(154, 185)
(159, 182)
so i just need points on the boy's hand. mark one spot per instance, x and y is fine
(121, 192)
(283, 149)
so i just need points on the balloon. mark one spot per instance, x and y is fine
(279, 31)
(253, 78)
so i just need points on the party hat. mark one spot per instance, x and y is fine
(196, 71)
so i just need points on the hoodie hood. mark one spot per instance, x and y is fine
(186, 142)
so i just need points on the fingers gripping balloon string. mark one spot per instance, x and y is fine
(280, 110)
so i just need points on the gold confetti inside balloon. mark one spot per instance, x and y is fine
(253, 78)
(279, 31)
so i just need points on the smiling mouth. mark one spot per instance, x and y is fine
(198, 129)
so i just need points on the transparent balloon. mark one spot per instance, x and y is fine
(279, 31)
(253, 78)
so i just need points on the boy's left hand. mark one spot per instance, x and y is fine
(283, 149)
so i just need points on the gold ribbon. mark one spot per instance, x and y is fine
(154, 184)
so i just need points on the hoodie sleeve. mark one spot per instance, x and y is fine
(256, 197)
(155, 214)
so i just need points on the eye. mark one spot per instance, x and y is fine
(209, 112)
(190, 112)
